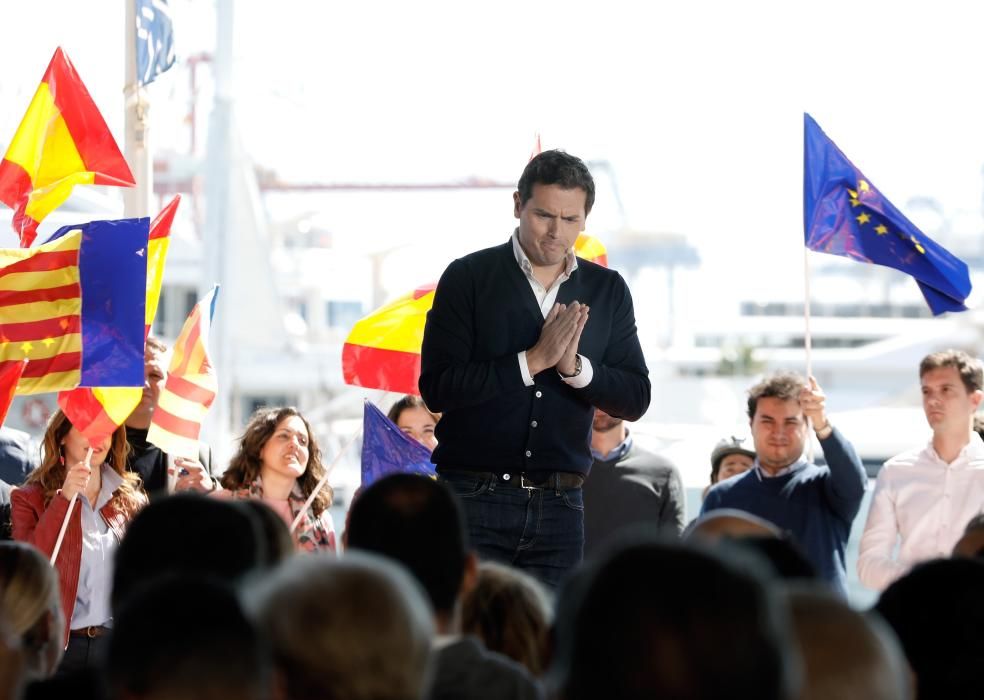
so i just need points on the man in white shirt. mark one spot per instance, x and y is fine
(927, 496)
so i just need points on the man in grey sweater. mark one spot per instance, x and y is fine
(627, 486)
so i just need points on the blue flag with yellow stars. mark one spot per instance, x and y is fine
(387, 450)
(844, 214)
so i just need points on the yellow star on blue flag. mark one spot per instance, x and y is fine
(844, 214)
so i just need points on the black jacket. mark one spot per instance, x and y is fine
(484, 314)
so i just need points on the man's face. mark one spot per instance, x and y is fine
(732, 465)
(946, 401)
(779, 432)
(603, 422)
(154, 376)
(550, 222)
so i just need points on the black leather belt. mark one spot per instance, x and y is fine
(534, 480)
(91, 632)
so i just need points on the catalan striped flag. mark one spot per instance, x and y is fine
(382, 350)
(62, 141)
(190, 387)
(97, 412)
(74, 307)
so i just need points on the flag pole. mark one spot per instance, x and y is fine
(807, 340)
(324, 480)
(136, 124)
(68, 515)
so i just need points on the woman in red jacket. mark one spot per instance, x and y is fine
(108, 498)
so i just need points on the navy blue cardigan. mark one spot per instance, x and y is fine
(815, 504)
(484, 313)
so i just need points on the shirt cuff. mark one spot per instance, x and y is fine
(524, 369)
(582, 379)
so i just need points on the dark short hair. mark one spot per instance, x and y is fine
(186, 636)
(418, 522)
(276, 533)
(937, 612)
(557, 168)
(785, 386)
(188, 533)
(969, 368)
(662, 634)
(975, 523)
(405, 402)
(784, 556)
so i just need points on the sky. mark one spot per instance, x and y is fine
(697, 106)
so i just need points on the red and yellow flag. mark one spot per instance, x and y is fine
(591, 249)
(62, 141)
(9, 376)
(190, 387)
(382, 350)
(157, 245)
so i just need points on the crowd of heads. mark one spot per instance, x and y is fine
(731, 611)
(211, 598)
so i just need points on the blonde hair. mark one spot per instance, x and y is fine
(28, 589)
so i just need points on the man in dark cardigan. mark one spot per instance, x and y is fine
(512, 361)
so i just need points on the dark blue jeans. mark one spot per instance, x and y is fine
(540, 531)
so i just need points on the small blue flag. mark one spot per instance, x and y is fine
(387, 450)
(155, 39)
(845, 215)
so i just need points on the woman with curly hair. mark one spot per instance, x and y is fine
(108, 498)
(279, 462)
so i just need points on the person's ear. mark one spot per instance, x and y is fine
(517, 204)
(976, 397)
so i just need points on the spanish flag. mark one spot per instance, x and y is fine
(382, 350)
(62, 141)
(157, 245)
(97, 412)
(591, 249)
(74, 307)
(190, 388)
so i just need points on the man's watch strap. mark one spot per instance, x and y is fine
(577, 368)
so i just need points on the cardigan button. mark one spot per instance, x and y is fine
(539, 394)
(528, 453)
(533, 424)
(506, 477)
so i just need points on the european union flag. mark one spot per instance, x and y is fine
(845, 215)
(387, 450)
(155, 39)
